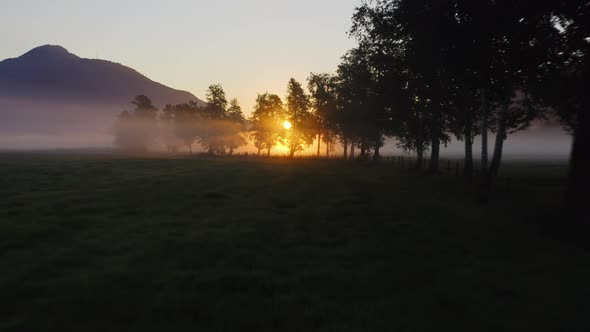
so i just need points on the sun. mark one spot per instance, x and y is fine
(287, 125)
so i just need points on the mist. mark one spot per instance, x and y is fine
(70, 126)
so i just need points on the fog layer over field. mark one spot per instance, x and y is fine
(23, 126)
(28, 124)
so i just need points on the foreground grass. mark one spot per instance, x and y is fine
(101, 243)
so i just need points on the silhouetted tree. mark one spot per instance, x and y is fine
(266, 128)
(217, 102)
(237, 126)
(448, 50)
(563, 39)
(213, 130)
(363, 119)
(323, 97)
(410, 33)
(413, 134)
(302, 132)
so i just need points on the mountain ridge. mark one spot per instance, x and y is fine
(51, 71)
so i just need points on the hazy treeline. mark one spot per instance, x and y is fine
(219, 126)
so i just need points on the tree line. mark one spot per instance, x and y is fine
(442, 69)
(424, 72)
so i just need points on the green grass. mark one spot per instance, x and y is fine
(104, 243)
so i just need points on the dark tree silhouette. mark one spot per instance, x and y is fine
(565, 48)
(237, 125)
(323, 93)
(363, 116)
(303, 129)
(410, 32)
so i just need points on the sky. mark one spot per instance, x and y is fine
(249, 46)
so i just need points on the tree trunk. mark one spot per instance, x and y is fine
(468, 163)
(319, 141)
(578, 187)
(377, 155)
(363, 151)
(498, 148)
(419, 158)
(484, 132)
(351, 151)
(268, 153)
(345, 146)
(259, 149)
(435, 155)
(435, 140)
(419, 149)
(328, 149)
(494, 168)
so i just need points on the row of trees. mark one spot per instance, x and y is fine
(432, 70)
(424, 72)
(218, 126)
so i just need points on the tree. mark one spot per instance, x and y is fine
(408, 33)
(236, 126)
(136, 130)
(323, 98)
(363, 117)
(463, 120)
(563, 85)
(234, 111)
(217, 102)
(412, 133)
(448, 50)
(266, 122)
(144, 106)
(502, 61)
(168, 129)
(302, 131)
(216, 128)
(187, 123)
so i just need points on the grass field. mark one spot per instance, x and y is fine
(113, 243)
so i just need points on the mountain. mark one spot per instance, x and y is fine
(50, 97)
(54, 73)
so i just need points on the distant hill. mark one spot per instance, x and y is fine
(52, 93)
(54, 73)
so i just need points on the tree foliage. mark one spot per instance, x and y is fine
(303, 129)
(266, 130)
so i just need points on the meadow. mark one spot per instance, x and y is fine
(101, 242)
